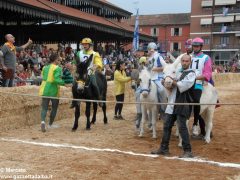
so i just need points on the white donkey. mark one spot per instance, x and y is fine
(148, 93)
(209, 96)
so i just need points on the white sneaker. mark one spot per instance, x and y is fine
(195, 131)
(53, 126)
(43, 126)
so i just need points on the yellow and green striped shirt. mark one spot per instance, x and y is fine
(51, 81)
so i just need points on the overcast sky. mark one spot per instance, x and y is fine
(154, 6)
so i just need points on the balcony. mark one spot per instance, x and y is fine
(207, 3)
(224, 2)
(226, 46)
(225, 29)
(237, 18)
(230, 11)
(223, 19)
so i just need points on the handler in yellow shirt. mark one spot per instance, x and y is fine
(120, 79)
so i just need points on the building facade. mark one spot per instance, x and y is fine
(218, 23)
(170, 30)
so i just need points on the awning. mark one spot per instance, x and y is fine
(223, 19)
(206, 21)
(49, 11)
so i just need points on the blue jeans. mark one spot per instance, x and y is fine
(8, 83)
(167, 129)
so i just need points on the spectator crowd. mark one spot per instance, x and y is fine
(30, 62)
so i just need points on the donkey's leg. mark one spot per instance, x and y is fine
(104, 109)
(144, 116)
(153, 120)
(177, 131)
(209, 123)
(77, 115)
(87, 113)
(94, 113)
(149, 119)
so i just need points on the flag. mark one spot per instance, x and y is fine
(136, 34)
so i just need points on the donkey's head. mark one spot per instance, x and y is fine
(145, 82)
(170, 73)
(82, 72)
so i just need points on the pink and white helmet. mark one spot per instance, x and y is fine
(197, 41)
(188, 44)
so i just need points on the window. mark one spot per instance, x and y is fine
(225, 55)
(176, 31)
(224, 40)
(175, 46)
(154, 31)
(206, 40)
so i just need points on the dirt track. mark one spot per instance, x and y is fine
(68, 163)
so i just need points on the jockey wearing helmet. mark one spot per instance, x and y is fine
(202, 65)
(142, 61)
(96, 64)
(188, 46)
(156, 63)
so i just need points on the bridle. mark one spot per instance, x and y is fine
(169, 77)
(148, 90)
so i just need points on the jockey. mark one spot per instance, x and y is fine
(96, 64)
(156, 63)
(142, 60)
(188, 48)
(202, 65)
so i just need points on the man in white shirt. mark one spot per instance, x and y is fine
(181, 93)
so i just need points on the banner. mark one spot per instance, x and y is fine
(136, 34)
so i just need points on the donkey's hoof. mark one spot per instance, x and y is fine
(93, 122)
(140, 135)
(105, 120)
(154, 137)
(207, 140)
(74, 128)
(88, 128)
(180, 145)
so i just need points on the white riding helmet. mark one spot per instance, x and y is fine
(152, 46)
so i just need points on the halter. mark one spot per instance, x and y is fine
(81, 83)
(169, 77)
(149, 87)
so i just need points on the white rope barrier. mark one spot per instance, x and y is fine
(100, 101)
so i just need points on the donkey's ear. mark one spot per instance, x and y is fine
(77, 58)
(177, 61)
(148, 68)
(134, 74)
